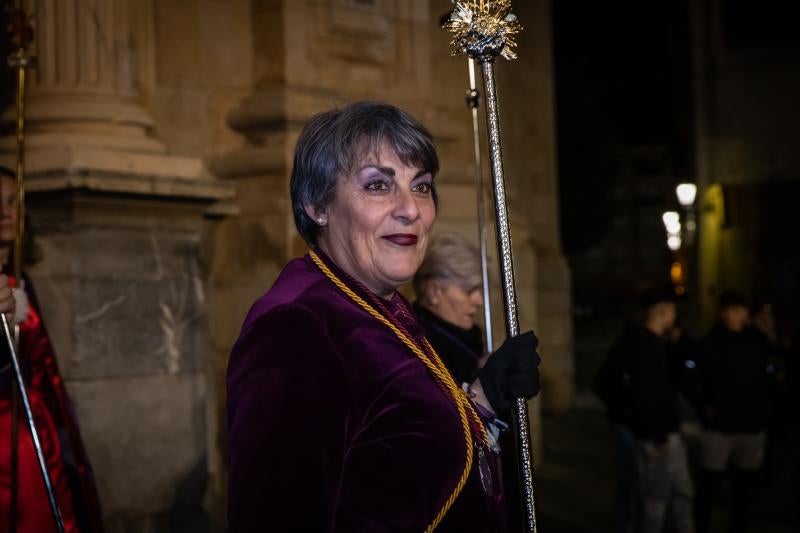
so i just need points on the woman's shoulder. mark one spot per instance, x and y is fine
(288, 319)
(298, 289)
(303, 299)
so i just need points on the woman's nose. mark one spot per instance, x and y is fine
(406, 207)
(477, 297)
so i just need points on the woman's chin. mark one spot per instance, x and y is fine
(400, 275)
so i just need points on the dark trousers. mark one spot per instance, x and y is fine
(628, 508)
(742, 496)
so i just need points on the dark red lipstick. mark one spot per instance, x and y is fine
(401, 239)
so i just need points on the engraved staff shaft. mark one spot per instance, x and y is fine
(521, 419)
(483, 30)
(20, 61)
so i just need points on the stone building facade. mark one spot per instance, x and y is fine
(160, 143)
(746, 75)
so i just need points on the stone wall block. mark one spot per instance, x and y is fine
(228, 306)
(457, 202)
(132, 253)
(143, 436)
(163, 337)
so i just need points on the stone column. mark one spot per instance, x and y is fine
(85, 111)
(120, 225)
(92, 58)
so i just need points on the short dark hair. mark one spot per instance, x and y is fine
(652, 296)
(5, 171)
(730, 298)
(334, 141)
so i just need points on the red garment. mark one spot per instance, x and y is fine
(51, 411)
(33, 509)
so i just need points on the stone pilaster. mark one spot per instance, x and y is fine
(86, 122)
(85, 91)
(120, 226)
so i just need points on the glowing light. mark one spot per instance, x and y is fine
(674, 243)
(686, 193)
(676, 273)
(672, 221)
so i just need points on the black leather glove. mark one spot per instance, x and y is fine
(512, 371)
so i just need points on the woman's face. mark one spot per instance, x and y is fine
(8, 209)
(453, 303)
(376, 229)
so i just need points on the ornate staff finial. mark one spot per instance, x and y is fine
(483, 29)
(21, 33)
(20, 29)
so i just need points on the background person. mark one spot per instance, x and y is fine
(635, 384)
(59, 434)
(449, 293)
(734, 405)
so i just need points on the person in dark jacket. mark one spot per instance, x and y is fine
(734, 405)
(448, 288)
(635, 384)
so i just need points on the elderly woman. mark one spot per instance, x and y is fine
(449, 293)
(342, 417)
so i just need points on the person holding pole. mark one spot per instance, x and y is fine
(448, 288)
(449, 293)
(32, 465)
(341, 415)
(51, 410)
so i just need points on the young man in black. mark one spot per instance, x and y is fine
(734, 405)
(634, 383)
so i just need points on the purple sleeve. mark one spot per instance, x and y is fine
(288, 410)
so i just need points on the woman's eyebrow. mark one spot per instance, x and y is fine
(389, 171)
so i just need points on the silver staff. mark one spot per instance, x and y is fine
(483, 30)
(473, 101)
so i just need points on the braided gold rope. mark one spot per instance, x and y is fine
(434, 364)
(466, 411)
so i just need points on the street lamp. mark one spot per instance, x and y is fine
(672, 222)
(674, 242)
(686, 193)
(679, 234)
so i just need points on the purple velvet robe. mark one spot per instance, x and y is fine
(334, 425)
